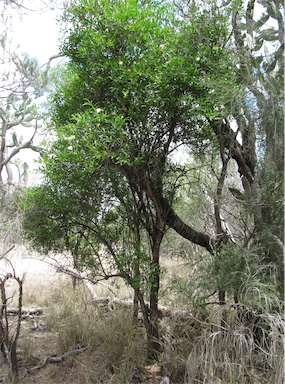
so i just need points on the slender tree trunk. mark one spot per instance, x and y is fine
(135, 307)
(222, 302)
(14, 362)
(3, 149)
(154, 346)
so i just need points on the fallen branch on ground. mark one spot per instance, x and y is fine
(163, 309)
(57, 359)
(25, 311)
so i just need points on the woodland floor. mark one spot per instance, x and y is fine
(45, 288)
(41, 284)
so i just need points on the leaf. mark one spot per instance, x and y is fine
(15, 140)
(27, 125)
(258, 44)
(259, 23)
(269, 34)
(237, 194)
(269, 67)
(256, 61)
(273, 11)
(29, 118)
(18, 113)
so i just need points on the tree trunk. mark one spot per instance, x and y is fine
(153, 332)
(14, 362)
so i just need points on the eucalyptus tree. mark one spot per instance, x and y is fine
(22, 81)
(20, 121)
(256, 144)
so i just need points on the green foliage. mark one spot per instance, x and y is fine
(140, 63)
(228, 268)
(51, 226)
(138, 84)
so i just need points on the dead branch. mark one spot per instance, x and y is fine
(6, 252)
(54, 359)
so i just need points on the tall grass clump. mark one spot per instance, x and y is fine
(72, 318)
(116, 346)
(249, 348)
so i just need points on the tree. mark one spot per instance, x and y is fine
(259, 118)
(22, 82)
(250, 132)
(160, 95)
(141, 82)
(138, 85)
(102, 232)
(20, 120)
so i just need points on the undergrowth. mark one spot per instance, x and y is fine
(248, 348)
(116, 346)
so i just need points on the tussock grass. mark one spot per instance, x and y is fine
(117, 348)
(221, 354)
(178, 335)
(247, 350)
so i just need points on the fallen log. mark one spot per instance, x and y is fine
(107, 301)
(24, 311)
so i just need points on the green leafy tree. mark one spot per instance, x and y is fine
(139, 84)
(162, 86)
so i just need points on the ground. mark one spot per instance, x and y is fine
(43, 287)
(117, 349)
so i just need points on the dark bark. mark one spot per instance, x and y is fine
(222, 302)
(243, 155)
(184, 230)
(163, 208)
(154, 345)
(14, 361)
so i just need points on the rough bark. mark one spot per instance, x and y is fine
(164, 209)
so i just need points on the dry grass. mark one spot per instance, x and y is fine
(247, 351)
(116, 347)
